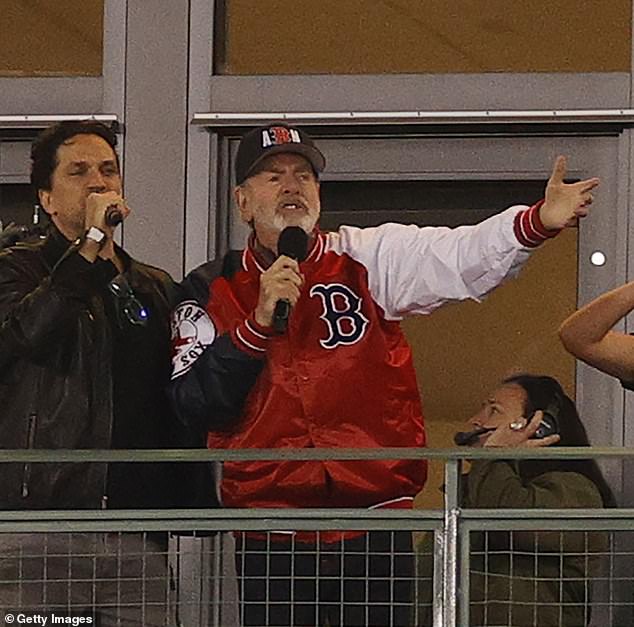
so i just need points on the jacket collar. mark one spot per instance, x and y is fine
(252, 260)
(55, 245)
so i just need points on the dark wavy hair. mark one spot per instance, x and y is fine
(44, 148)
(543, 392)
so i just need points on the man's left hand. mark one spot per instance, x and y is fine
(565, 202)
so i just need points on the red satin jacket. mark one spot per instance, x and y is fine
(342, 374)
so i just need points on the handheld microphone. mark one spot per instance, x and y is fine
(293, 243)
(464, 438)
(114, 216)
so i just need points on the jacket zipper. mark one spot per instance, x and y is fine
(97, 316)
(30, 443)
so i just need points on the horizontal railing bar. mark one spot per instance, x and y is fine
(352, 514)
(210, 520)
(542, 514)
(186, 527)
(314, 519)
(306, 454)
(586, 524)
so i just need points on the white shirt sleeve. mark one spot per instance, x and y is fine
(414, 270)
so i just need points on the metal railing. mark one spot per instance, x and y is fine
(210, 595)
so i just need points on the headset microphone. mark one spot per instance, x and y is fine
(464, 438)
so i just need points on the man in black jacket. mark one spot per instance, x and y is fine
(84, 360)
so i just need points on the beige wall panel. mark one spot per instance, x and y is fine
(462, 351)
(434, 36)
(51, 38)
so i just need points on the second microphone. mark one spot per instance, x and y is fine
(293, 243)
(114, 216)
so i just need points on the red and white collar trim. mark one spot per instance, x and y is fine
(317, 251)
(250, 259)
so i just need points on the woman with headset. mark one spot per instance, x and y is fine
(526, 578)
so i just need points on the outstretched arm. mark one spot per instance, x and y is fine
(588, 335)
(414, 270)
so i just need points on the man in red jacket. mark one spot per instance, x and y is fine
(337, 373)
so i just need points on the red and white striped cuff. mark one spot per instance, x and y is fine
(529, 229)
(252, 338)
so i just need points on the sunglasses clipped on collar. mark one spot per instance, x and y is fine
(129, 308)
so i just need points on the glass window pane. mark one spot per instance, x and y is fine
(43, 38)
(426, 203)
(16, 197)
(410, 36)
(16, 204)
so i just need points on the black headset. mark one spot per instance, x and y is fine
(549, 424)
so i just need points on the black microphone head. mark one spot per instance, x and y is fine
(293, 243)
(465, 438)
(462, 438)
(114, 217)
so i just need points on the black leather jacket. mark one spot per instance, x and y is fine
(56, 379)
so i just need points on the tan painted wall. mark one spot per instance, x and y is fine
(430, 36)
(51, 37)
(463, 350)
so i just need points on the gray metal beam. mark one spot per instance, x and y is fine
(217, 120)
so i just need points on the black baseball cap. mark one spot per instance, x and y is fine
(262, 142)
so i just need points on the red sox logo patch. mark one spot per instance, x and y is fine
(192, 331)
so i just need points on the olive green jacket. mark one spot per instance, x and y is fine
(522, 578)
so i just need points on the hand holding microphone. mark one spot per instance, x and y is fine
(280, 285)
(103, 212)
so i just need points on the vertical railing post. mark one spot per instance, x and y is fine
(450, 533)
(438, 592)
(464, 568)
